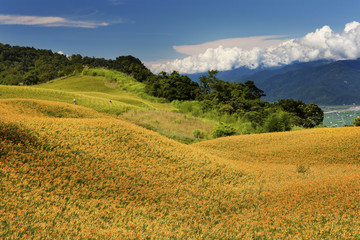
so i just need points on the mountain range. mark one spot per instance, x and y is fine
(322, 82)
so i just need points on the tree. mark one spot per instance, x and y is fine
(356, 122)
(31, 78)
(305, 115)
(172, 87)
(314, 116)
(252, 92)
(277, 122)
(207, 82)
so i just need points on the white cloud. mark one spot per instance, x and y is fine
(47, 21)
(61, 53)
(321, 44)
(247, 43)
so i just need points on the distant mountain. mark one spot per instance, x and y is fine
(334, 83)
(320, 82)
(234, 75)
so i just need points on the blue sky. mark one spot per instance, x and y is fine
(150, 29)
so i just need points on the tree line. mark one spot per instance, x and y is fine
(29, 66)
(236, 100)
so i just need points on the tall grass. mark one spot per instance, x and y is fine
(97, 103)
(124, 81)
(103, 90)
(174, 125)
(194, 108)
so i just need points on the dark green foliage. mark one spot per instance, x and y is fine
(357, 121)
(223, 130)
(126, 64)
(305, 115)
(240, 104)
(277, 122)
(172, 87)
(230, 97)
(198, 133)
(132, 66)
(29, 66)
(313, 115)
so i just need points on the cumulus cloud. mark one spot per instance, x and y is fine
(246, 43)
(47, 21)
(324, 43)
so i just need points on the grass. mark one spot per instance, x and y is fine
(172, 124)
(102, 87)
(310, 146)
(84, 174)
(97, 177)
(95, 88)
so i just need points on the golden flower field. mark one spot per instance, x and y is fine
(70, 172)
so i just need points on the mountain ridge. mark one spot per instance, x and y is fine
(322, 82)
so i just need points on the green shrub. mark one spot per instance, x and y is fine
(246, 128)
(198, 133)
(356, 122)
(277, 122)
(222, 130)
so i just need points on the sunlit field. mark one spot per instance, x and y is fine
(172, 124)
(117, 94)
(88, 91)
(70, 172)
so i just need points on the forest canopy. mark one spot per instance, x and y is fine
(29, 66)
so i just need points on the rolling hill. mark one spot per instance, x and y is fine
(117, 94)
(75, 171)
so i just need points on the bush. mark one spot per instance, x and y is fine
(198, 133)
(247, 128)
(356, 122)
(192, 107)
(277, 122)
(222, 130)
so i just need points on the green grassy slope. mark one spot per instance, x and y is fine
(96, 87)
(89, 91)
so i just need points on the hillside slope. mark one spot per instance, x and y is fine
(118, 94)
(100, 176)
(99, 100)
(307, 147)
(82, 174)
